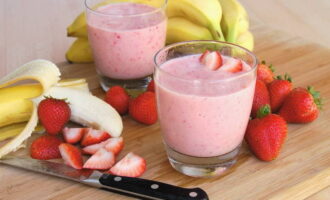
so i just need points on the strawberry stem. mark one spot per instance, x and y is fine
(263, 111)
(316, 97)
(287, 77)
(263, 62)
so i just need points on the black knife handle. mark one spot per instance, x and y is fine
(147, 189)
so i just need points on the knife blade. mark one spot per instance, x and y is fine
(135, 187)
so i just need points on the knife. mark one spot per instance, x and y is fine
(134, 187)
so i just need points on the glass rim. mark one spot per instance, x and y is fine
(93, 10)
(157, 65)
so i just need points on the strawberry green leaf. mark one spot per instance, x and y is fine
(263, 111)
(316, 96)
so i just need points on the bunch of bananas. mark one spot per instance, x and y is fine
(223, 20)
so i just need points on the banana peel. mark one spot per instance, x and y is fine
(42, 71)
(15, 129)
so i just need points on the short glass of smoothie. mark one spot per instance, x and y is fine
(124, 36)
(204, 112)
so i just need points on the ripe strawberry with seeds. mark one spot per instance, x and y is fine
(211, 59)
(131, 165)
(53, 114)
(265, 73)
(71, 155)
(143, 108)
(102, 160)
(115, 145)
(73, 135)
(279, 89)
(301, 105)
(118, 98)
(93, 136)
(266, 134)
(151, 86)
(112, 144)
(261, 97)
(232, 65)
(45, 147)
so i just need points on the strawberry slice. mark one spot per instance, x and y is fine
(71, 155)
(232, 65)
(102, 159)
(112, 144)
(211, 59)
(92, 149)
(115, 145)
(73, 135)
(131, 165)
(93, 136)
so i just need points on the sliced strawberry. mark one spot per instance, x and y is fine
(93, 136)
(73, 135)
(115, 145)
(211, 60)
(131, 165)
(91, 149)
(151, 86)
(71, 155)
(232, 65)
(102, 159)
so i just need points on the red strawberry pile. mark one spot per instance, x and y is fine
(71, 143)
(275, 104)
(142, 108)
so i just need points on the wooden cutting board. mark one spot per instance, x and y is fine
(302, 170)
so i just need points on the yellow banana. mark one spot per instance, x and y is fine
(79, 27)
(205, 13)
(14, 129)
(246, 40)
(234, 19)
(15, 111)
(179, 29)
(80, 51)
(15, 105)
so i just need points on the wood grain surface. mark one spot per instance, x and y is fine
(37, 28)
(302, 170)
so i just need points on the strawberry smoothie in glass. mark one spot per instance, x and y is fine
(204, 106)
(124, 36)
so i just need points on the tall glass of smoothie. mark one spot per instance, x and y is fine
(204, 92)
(124, 36)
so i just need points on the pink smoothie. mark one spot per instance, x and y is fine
(203, 121)
(123, 41)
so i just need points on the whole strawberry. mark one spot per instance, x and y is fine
(279, 89)
(118, 98)
(265, 73)
(143, 108)
(301, 105)
(266, 134)
(261, 97)
(53, 114)
(45, 148)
